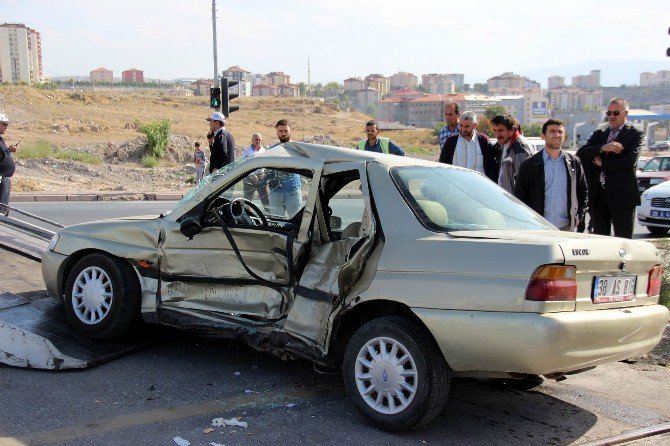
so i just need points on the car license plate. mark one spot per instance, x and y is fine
(613, 289)
(661, 214)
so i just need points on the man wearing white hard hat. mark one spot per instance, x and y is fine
(223, 144)
(7, 166)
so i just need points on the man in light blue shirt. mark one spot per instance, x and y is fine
(552, 182)
(285, 188)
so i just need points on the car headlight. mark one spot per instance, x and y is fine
(656, 180)
(53, 242)
(645, 195)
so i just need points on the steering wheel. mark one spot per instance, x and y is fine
(238, 210)
(215, 207)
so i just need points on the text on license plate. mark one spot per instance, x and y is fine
(662, 214)
(613, 289)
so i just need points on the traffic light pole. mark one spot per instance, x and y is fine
(216, 68)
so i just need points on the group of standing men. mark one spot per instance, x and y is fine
(556, 184)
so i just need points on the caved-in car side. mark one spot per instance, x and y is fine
(403, 272)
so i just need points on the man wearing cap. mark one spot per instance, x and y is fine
(223, 144)
(7, 166)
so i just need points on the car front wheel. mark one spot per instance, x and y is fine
(657, 230)
(102, 297)
(395, 374)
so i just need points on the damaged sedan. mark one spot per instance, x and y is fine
(404, 273)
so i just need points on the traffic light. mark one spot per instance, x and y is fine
(226, 108)
(215, 97)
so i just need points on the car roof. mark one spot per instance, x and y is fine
(332, 154)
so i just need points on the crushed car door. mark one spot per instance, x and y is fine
(239, 267)
(338, 255)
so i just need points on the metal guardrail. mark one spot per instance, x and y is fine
(28, 214)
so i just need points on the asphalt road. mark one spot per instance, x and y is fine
(178, 383)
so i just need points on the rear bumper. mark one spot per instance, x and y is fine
(478, 341)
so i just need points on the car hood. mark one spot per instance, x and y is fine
(114, 235)
(586, 251)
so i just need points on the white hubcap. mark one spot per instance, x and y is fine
(386, 375)
(92, 295)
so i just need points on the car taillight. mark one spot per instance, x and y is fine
(654, 286)
(553, 282)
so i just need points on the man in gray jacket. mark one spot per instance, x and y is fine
(515, 150)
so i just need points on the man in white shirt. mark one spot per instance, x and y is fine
(255, 182)
(471, 149)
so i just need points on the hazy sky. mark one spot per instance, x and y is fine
(173, 38)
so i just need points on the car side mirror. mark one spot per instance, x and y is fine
(190, 227)
(335, 223)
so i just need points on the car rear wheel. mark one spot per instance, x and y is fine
(657, 230)
(102, 297)
(395, 374)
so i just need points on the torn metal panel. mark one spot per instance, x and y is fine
(36, 334)
(251, 300)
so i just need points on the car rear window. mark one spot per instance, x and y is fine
(448, 199)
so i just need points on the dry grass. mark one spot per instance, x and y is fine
(74, 119)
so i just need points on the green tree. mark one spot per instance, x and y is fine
(531, 130)
(495, 110)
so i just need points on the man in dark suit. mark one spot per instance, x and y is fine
(471, 149)
(612, 153)
(222, 146)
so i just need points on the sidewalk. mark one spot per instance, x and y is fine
(23, 197)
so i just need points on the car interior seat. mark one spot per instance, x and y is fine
(434, 211)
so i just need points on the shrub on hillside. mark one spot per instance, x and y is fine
(149, 161)
(158, 136)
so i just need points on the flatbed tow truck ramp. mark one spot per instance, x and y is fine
(34, 331)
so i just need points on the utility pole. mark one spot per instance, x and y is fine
(216, 68)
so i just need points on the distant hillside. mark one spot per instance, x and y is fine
(74, 119)
(639, 97)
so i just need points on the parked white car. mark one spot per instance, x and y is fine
(654, 212)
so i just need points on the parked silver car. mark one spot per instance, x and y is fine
(402, 272)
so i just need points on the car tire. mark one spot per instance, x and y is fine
(406, 386)
(102, 297)
(657, 230)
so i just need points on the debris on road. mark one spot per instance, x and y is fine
(220, 422)
(181, 442)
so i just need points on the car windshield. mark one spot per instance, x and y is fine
(210, 178)
(447, 199)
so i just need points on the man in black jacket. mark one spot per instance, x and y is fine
(613, 153)
(552, 182)
(471, 149)
(7, 166)
(223, 144)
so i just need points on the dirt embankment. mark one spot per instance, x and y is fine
(104, 124)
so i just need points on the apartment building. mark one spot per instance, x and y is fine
(589, 81)
(555, 82)
(510, 83)
(20, 54)
(264, 90)
(102, 75)
(403, 80)
(572, 99)
(434, 78)
(278, 78)
(378, 82)
(353, 84)
(132, 76)
(649, 78)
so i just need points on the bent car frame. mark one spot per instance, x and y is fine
(403, 272)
